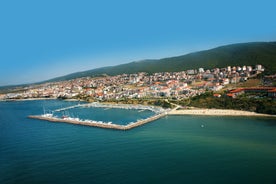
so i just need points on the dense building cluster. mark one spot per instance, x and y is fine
(176, 85)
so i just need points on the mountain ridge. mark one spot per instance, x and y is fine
(251, 53)
(238, 54)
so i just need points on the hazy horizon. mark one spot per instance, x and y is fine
(44, 40)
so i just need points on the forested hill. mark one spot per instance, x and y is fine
(263, 53)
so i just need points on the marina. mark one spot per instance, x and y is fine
(158, 113)
(99, 124)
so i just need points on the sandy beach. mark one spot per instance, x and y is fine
(217, 112)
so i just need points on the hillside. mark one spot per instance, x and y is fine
(236, 54)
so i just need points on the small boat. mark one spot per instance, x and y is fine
(47, 115)
(64, 117)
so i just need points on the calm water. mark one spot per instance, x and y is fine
(116, 115)
(175, 149)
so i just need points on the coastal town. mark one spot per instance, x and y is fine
(169, 86)
(176, 85)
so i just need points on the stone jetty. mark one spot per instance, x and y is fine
(99, 124)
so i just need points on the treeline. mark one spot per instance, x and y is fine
(254, 104)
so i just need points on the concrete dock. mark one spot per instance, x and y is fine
(100, 125)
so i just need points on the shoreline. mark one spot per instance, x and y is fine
(27, 99)
(197, 112)
(218, 112)
(34, 99)
(158, 114)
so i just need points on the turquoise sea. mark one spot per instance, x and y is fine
(174, 149)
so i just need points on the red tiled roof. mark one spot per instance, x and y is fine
(272, 90)
(253, 88)
(217, 95)
(237, 90)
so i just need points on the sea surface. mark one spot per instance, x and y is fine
(174, 149)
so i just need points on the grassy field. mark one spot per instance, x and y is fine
(248, 83)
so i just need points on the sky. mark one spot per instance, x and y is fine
(40, 40)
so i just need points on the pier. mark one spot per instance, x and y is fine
(98, 124)
(159, 113)
(66, 108)
(109, 106)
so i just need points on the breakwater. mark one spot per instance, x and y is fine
(108, 106)
(99, 124)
